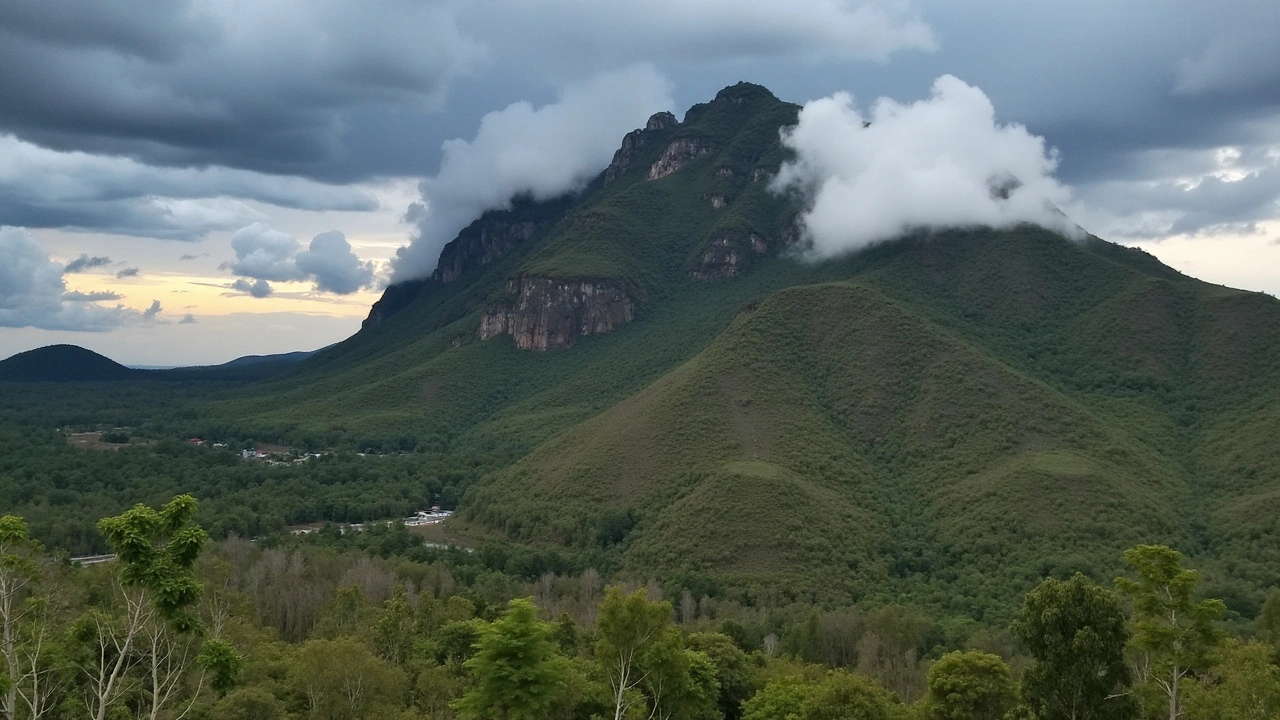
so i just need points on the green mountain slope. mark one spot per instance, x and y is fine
(62, 363)
(944, 418)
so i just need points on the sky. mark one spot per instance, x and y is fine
(189, 181)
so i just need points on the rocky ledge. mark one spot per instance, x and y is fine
(728, 255)
(636, 141)
(679, 153)
(494, 239)
(546, 313)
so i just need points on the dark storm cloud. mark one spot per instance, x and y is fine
(84, 262)
(77, 296)
(258, 288)
(254, 85)
(47, 189)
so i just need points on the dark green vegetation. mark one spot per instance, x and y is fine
(178, 627)
(941, 421)
(72, 363)
(62, 363)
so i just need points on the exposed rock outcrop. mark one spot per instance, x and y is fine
(493, 239)
(793, 231)
(679, 153)
(636, 141)
(546, 313)
(394, 299)
(728, 255)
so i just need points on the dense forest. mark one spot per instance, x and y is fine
(354, 625)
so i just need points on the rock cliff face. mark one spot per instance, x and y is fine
(728, 255)
(679, 153)
(494, 239)
(545, 313)
(394, 299)
(636, 141)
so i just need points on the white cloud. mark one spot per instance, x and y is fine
(544, 151)
(939, 162)
(34, 294)
(264, 254)
(330, 262)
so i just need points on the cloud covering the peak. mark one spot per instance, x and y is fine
(544, 152)
(939, 162)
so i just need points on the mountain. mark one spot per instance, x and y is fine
(63, 363)
(284, 358)
(643, 370)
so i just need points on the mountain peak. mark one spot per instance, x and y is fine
(744, 92)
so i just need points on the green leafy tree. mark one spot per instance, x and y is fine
(219, 660)
(1267, 624)
(157, 551)
(678, 682)
(780, 699)
(518, 673)
(733, 671)
(970, 685)
(1176, 634)
(838, 695)
(342, 680)
(1244, 686)
(154, 625)
(1076, 632)
(843, 696)
(252, 703)
(393, 634)
(627, 626)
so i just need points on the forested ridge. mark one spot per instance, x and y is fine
(358, 625)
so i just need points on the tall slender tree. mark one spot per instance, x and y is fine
(628, 626)
(18, 574)
(1176, 633)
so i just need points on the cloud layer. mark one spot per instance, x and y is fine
(34, 294)
(256, 84)
(265, 255)
(544, 152)
(939, 162)
(42, 188)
